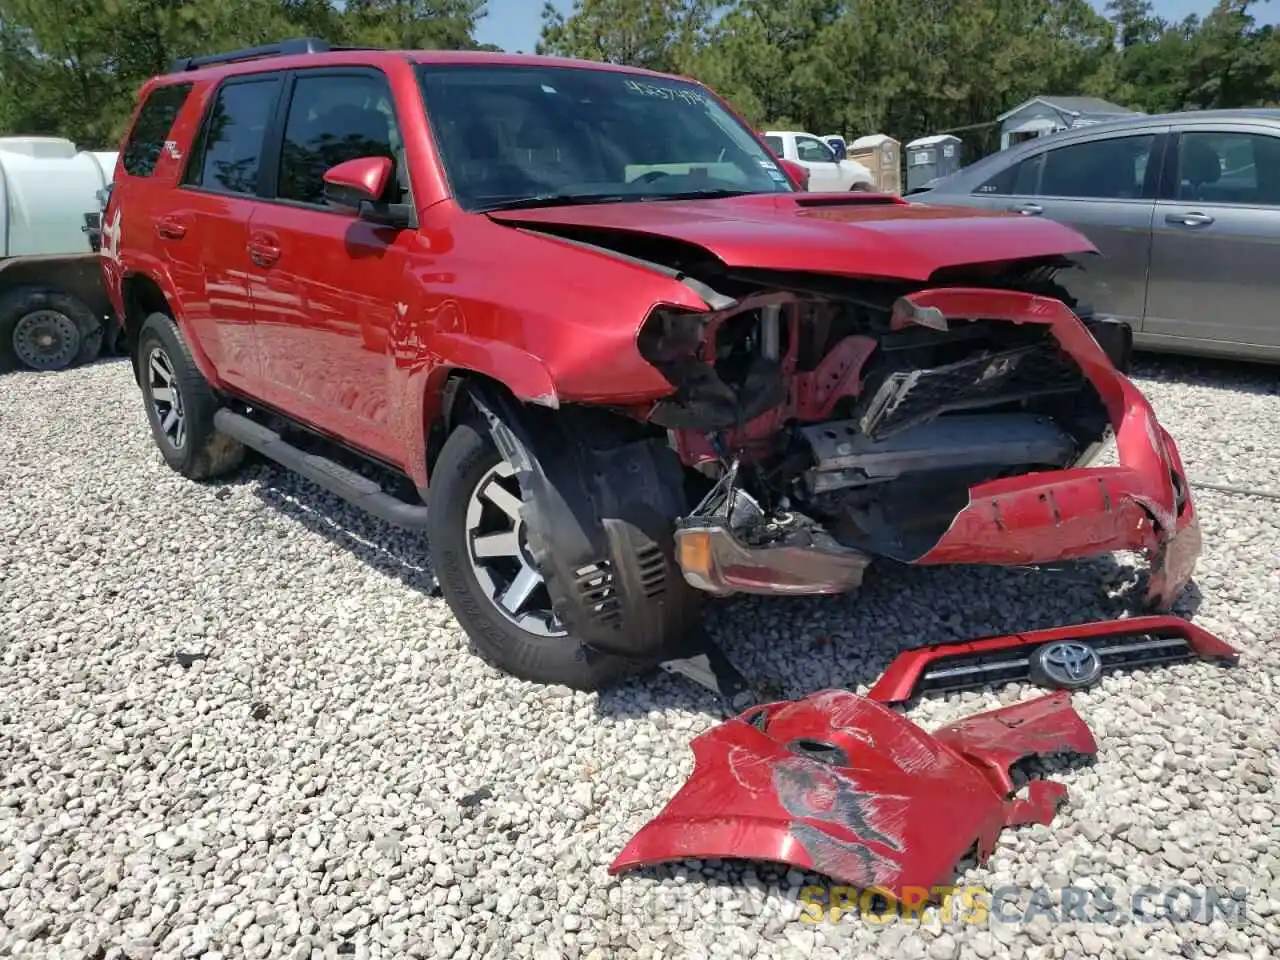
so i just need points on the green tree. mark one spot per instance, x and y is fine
(414, 24)
(659, 34)
(72, 67)
(1135, 22)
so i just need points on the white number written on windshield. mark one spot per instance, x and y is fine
(692, 97)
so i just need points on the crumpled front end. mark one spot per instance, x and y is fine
(839, 784)
(1144, 504)
(948, 425)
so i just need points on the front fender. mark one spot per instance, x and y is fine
(527, 377)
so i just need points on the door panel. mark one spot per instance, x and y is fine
(325, 309)
(328, 286)
(1105, 188)
(1214, 258)
(207, 226)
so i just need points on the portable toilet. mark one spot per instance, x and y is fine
(882, 155)
(931, 157)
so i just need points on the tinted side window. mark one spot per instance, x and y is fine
(334, 118)
(1111, 169)
(775, 144)
(151, 129)
(813, 151)
(1229, 168)
(229, 151)
(1021, 179)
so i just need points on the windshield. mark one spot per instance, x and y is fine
(532, 135)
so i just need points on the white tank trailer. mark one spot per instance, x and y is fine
(54, 311)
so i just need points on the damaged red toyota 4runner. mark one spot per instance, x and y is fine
(575, 322)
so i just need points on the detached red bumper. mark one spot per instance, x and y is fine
(1144, 504)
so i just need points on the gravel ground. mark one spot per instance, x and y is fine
(234, 722)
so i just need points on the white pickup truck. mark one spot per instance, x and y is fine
(827, 172)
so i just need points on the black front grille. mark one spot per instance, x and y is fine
(964, 671)
(905, 398)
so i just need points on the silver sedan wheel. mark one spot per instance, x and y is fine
(500, 558)
(46, 340)
(166, 398)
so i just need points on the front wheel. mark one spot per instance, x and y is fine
(860, 187)
(486, 573)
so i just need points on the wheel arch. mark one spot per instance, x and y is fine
(448, 402)
(143, 293)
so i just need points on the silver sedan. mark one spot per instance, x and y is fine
(1184, 208)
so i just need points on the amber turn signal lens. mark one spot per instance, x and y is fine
(694, 552)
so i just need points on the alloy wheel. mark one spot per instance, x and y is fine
(166, 398)
(500, 558)
(46, 340)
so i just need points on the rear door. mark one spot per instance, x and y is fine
(1215, 262)
(1105, 187)
(330, 291)
(206, 230)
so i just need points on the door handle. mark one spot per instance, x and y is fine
(1189, 219)
(170, 228)
(263, 250)
(1028, 209)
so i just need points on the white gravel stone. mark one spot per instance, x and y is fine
(234, 722)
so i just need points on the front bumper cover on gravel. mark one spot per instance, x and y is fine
(842, 785)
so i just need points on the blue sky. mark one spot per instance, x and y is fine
(515, 24)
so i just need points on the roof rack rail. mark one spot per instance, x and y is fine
(285, 48)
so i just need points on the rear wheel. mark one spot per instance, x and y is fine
(181, 404)
(46, 329)
(489, 578)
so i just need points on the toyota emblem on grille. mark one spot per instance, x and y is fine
(1068, 665)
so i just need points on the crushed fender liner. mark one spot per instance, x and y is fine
(599, 522)
(1009, 658)
(841, 785)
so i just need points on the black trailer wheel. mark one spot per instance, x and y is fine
(486, 573)
(42, 328)
(181, 404)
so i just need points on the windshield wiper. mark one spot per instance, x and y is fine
(555, 200)
(698, 194)
(580, 199)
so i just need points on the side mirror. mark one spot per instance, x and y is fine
(360, 185)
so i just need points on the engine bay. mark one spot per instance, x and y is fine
(825, 404)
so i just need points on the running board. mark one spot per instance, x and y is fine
(350, 486)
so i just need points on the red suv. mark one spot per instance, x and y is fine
(574, 322)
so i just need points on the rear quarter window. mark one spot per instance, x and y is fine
(151, 129)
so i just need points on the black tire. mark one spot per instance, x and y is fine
(203, 452)
(22, 302)
(466, 458)
(861, 187)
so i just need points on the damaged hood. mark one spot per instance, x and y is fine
(868, 236)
